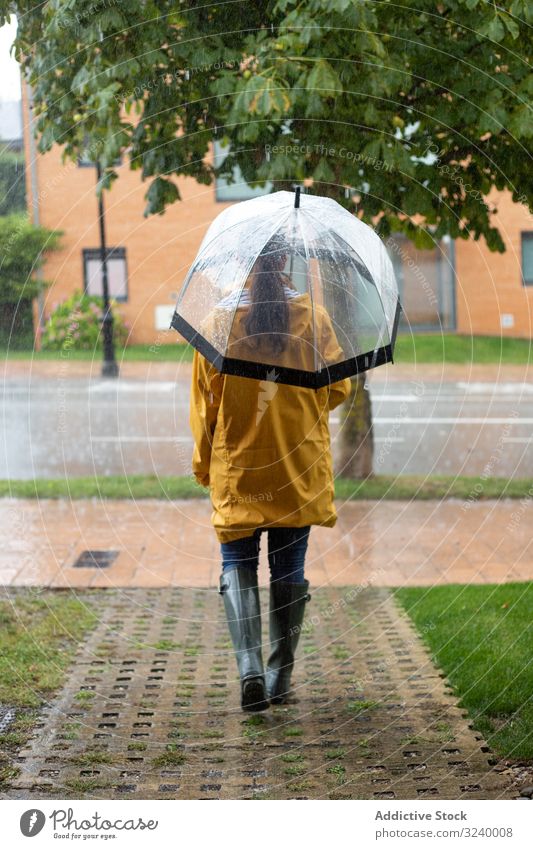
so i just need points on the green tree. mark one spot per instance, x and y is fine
(407, 113)
(23, 248)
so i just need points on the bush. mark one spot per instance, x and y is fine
(12, 183)
(16, 326)
(76, 323)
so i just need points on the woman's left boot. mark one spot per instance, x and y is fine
(287, 608)
(238, 588)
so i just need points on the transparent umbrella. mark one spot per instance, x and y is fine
(290, 288)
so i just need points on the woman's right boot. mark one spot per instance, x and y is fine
(238, 588)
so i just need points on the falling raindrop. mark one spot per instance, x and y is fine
(346, 191)
(268, 156)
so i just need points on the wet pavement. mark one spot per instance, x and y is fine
(150, 710)
(168, 544)
(60, 419)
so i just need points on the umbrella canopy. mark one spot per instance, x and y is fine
(293, 289)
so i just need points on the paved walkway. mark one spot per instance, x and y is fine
(150, 705)
(150, 710)
(65, 368)
(165, 544)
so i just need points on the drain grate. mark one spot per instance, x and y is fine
(95, 559)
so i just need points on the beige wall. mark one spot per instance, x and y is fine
(160, 248)
(489, 284)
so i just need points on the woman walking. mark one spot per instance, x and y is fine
(263, 449)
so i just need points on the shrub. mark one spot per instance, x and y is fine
(76, 323)
(24, 248)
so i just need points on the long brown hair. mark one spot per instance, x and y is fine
(267, 322)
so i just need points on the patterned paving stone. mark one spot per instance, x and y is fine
(150, 710)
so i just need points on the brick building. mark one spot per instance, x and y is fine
(459, 286)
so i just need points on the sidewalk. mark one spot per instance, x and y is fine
(150, 710)
(157, 370)
(172, 544)
(150, 705)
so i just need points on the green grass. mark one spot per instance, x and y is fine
(38, 638)
(173, 352)
(403, 488)
(39, 634)
(171, 757)
(419, 347)
(293, 731)
(420, 487)
(292, 757)
(333, 754)
(93, 758)
(295, 769)
(481, 637)
(452, 348)
(361, 705)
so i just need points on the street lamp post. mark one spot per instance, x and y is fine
(109, 365)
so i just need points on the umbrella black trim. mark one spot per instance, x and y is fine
(395, 324)
(267, 371)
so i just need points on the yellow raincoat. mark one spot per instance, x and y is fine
(263, 448)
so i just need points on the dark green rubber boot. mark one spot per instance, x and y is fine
(287, 608)
(239, 590)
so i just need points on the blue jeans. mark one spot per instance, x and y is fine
(286, 553)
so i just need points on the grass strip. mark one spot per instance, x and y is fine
(481, 637)
(452, 348)
(39, 634)
(401, 488)
(418, 347)
(173, 352)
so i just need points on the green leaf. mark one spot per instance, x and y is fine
(81, 80)
(423, 239)
(493, 29)
(161, 193)
(314, 105)
(520, 124)
(323, 172)
(268, 96)
(511, 26)
(324, 79)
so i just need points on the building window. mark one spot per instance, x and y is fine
(117, 274)
(527, 258)
(239, 189)
(426, 282)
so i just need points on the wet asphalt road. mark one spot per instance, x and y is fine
(54, 428)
